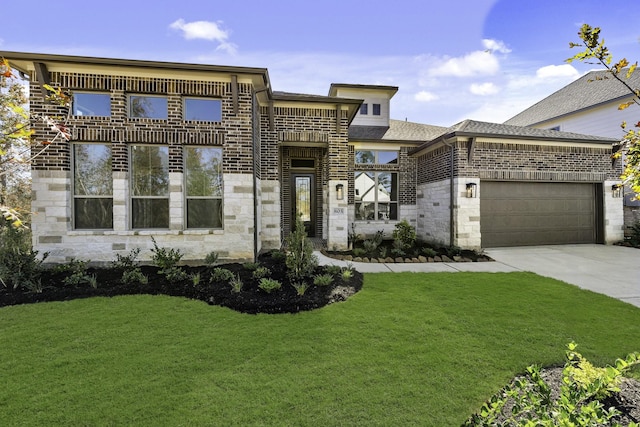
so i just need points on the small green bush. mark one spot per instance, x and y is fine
(211, 259)
(323, 280)
(269, 285)
(131, 272)
(236, 283)
(167, 259)
(220, 274)
(300, 287)
(261, 272)
(359, 252)
(333, 269)
(278, 255)
(428, 252)
(369, 246)
(347, 274)
(78, 275)
(579, 404)
(405, 233)
(251, 266)
(134, 276)
(300, 260)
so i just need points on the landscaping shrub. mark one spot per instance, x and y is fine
(579, 404)
(405, 233)
(220, 274)
(634, 239)
(236, 284)
(20, 266)
(300, 287)
(261, 272)
(269, 285)
(323, 280)
(78, 275)
(131, 272)
(300, 260)
(167, 259)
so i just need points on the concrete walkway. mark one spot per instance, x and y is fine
(609, 270)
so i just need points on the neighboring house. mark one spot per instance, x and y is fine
(209, 158)
(589, 105)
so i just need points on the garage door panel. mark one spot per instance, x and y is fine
(529, 213)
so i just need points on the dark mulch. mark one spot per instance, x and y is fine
(250, 299)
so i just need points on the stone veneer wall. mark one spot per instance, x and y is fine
(52, 199)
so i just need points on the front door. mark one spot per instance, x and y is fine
(303, 203)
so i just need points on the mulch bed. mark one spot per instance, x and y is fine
(251, 299)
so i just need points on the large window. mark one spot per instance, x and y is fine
(149, 186)
(91, 104)
(376, 195)
(376, 157)
(92, 186)
(203, 184)
(203, 109)
(148, 106)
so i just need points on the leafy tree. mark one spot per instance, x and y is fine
(594, 48)
(16, 146)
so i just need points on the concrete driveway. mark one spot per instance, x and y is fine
(609, 270)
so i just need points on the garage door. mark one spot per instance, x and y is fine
(533, 213)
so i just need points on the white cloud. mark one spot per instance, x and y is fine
(495, 46)
(424, 96)
(483, 89)
(473, 64)
(205, 30)
(553, 71)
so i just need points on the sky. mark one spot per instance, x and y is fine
(451, 60)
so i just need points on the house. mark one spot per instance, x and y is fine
(210, 158)
(589, 105)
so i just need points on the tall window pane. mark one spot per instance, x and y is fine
(203, 176)
(150, 186)
(91, 104)
(376, 196)
(92, 186)
(203, 109)
(150, 107)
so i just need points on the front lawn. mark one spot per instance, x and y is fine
(409, 349)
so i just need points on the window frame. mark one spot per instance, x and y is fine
(218, 101)
(74, 103)
(376, 202)
(132, 196)
(364, 109)
(187, 197)
(376, 109)
(74, 196)
(376, 157)
(130, 97)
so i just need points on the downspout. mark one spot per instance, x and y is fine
(255, 180)
(451, 194)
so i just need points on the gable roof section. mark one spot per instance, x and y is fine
(593, 89)
(398, 131)
(473, 129)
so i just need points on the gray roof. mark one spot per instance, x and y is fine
(473, 128)
(476, 128)
(398, 130)
(592, 89)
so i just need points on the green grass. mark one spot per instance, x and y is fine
(409, 349)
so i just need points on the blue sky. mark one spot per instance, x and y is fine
(452, 60)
